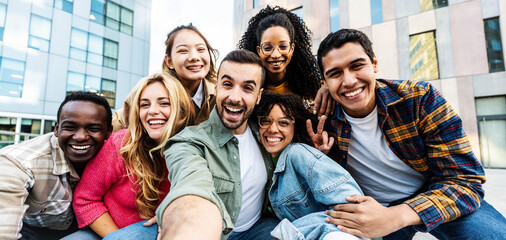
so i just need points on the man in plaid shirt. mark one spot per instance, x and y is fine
(39, 175)
(404, 145)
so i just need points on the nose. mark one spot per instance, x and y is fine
(235, 94)
(80, 135)
(193, 56)
(348, 78)
(276, 53)
(153, 109)
(273, 128)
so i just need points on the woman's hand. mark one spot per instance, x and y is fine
(321, 138)
(150, 222)
(323, 103)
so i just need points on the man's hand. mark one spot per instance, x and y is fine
(320, 139)
(368, 218)
(323, 103)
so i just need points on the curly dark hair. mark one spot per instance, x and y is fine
(302, 72)
(292, 107)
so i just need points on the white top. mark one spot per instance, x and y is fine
(377, 170)
(199, 95)
(253, 180)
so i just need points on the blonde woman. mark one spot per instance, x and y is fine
(127, 179)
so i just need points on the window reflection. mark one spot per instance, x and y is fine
(423, 56)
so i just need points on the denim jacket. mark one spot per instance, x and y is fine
(306, 183)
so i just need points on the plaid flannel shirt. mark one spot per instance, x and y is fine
(36, 184)
(423, 130)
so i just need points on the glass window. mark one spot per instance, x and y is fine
(298, 12)
(92, 84)
(255, 3)
(65, 5)
(494, 46)
(97, 11)
(31, 125)
(423, 56)
(75, 82)
(432, 4)
(95, 48)
(3, 10)
(491, 112)
(48, 126)
(334, 15)
(78, 44)
(110, 54)
(112, 13)
(109, 91)
(12, 74)
(127, 21)
(7, 131)
(376, 12)
(40, 33)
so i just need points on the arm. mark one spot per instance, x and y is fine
(190, 179)
(13, 193)
(103, 225)
(455, 174)
(100, 174)
(188, 213)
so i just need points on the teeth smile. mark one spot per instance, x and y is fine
(161, 122)
(235, 110)
(195, 68)
(273, 139)
(276, 63)
(80, 147)
(354, 93)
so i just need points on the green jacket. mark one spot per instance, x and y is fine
(203, 160)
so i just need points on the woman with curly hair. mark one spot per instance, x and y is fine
(283, 42)
(306, 182)
(189, 58)
(127, 179)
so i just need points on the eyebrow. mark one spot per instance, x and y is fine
(338, 68)
(160, 98)
(186, 45)
(231, 78)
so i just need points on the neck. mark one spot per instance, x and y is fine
(79, 168)
(276, 79)
(240, 130)
(191, 86)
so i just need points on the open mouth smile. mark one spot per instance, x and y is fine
(353, 93)
(80, 147)
(156, 122)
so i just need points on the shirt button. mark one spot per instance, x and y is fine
(344, 156)
(345, 131)
(43, 210)
(69, 221)
(235, 157)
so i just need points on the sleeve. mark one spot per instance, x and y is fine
(13, 193)
(189, 175)
(454, 187)
(100, 174)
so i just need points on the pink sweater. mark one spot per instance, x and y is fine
(105, 187)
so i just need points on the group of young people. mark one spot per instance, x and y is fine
(204, 153)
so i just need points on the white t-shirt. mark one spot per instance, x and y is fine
(253, 180)
(198, 98)
(377, 170)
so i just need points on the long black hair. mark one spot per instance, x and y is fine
(302, 72)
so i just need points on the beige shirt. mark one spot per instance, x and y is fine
(36, 183)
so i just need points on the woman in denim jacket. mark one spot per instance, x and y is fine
(306, 182)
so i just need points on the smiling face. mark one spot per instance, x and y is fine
(277, 61)
(275, 138)
(189, 56)
(81, 131)
(350, 77)
(154, 109)
(237, 92)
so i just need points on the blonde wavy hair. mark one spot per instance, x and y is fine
(213, 53)
(141, 153)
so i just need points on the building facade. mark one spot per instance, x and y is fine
(457, 45)
(49, 48)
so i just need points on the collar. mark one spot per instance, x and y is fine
(199, 95)
(223, 134)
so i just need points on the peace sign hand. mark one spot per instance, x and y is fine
(321, 138)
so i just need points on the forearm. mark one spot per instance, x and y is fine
(104, 225)
(403, 215)
(186, 214)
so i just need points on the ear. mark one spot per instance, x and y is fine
(375, 63)
(108, 133)
(258, 50)
(293, 47)
(168, 62)
(55, 131)
(259, 96)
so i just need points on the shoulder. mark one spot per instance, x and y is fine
(301, 150)
(30, 150)
(405, 88)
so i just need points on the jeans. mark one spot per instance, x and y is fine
(260, 230)
(306, 183)
(38, 233)
(135, 231)
(484, 223)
